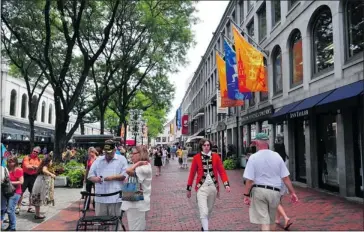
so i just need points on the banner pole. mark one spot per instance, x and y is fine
(265, 53)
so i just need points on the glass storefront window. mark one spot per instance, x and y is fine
(329, 177)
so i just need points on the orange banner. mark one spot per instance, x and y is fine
(251, 71)
(221, 69)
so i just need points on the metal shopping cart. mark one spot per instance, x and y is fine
(98, 223)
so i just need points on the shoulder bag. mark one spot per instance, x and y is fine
(132, 190)
(7, 187)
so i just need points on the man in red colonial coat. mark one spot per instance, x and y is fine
(208, 167)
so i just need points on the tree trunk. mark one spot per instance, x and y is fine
(32, 134)
(82, 124)
(102, 108)
(60, 137)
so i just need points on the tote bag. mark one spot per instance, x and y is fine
(7, 187)
(132, 190)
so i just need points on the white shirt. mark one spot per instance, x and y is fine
(144, 174)
(266, 167)
(208, 176)
(164, 153)
(100, 167)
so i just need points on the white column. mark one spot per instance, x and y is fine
(338, 38)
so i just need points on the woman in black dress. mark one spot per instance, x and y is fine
(158, 160)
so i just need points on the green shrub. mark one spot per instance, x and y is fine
(75, 172)
(229, 164)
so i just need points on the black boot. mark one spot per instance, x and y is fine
(202, 229)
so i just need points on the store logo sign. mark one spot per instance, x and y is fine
(298, 114)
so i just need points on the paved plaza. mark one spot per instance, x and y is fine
(171, 210)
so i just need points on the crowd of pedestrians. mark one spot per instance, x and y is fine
(35, 176)
(109, 168)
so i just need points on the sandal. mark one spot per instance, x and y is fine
(39, 217)
(30, 210)
(287, 224)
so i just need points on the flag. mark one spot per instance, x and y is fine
(232, 76)
(221, 70)
(251, 71)
(3, 150)
(122, 131)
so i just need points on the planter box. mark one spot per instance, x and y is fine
(60, 181)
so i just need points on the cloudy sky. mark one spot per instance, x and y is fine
(209, 13)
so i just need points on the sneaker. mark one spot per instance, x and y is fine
(17, 210)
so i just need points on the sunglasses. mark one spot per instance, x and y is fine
(36, 152)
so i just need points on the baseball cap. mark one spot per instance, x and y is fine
(261, 136)
(109, 146)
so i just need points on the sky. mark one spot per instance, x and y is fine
(210, 14)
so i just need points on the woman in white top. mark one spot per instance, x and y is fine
(136, 210)
(164, 156)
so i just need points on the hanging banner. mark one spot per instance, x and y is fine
(220, 109)
(232, 75)
(251, 71)
(122, 131)
(185, 124)
(171, 129)
(178, 118)
(221, 70)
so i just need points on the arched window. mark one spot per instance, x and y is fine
(296, 58)
(24, 103)
(323, 46)
(277, 71)
(35, 106)
(12, 102)
(50, 114)
(355, 27)
(42, 118)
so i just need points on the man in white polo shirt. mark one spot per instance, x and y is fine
(108, 173)
(264, 174)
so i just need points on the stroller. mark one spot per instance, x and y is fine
(103, 223)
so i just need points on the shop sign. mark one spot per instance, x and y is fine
(298, 114)
(257, 115)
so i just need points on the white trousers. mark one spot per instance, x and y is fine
(164, 158)
(136, 219)
(206, 196)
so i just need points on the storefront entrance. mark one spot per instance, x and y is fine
(300, 150)
(326, 150)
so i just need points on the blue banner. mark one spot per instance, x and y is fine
(232, 75)
(178, 118)
(3, 150)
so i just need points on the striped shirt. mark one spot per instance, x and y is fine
(101, 167)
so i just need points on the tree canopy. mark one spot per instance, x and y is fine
(99, 48)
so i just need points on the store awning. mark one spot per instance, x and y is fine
(192, 138)
(284, 110)
(344, 92)
(8, 130)
(302, 108)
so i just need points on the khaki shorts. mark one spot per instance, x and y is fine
(263, 206)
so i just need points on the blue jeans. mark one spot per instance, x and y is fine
(12, 203)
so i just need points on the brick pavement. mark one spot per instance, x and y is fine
(171, 210)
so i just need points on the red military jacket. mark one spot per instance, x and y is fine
(201, 164)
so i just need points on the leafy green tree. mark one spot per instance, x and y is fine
(22, 67)
(113, 43)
